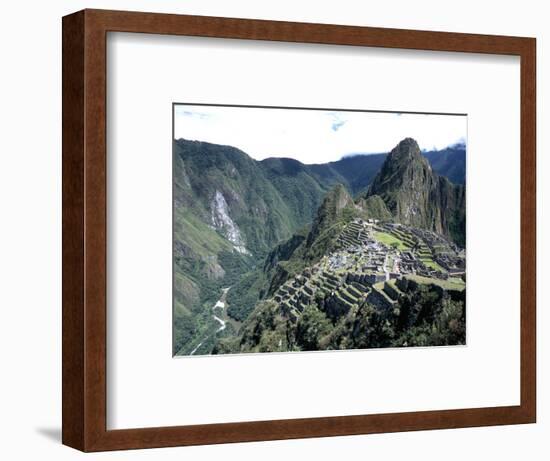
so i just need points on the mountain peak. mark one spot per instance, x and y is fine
(417, 196)
(406, 150)
(404, 163)
(330, 211)
(339, 196)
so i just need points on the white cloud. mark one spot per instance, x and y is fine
(313, 136)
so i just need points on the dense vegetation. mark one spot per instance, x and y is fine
(424, 317)
(287, 216)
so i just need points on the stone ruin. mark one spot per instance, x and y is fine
(358, 270)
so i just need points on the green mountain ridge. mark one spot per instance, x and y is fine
(325, 309)
(293, 255)
(252, 225)
(229, 212)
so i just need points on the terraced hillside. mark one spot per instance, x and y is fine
(298, 263)
(375, 270)
(364, 268)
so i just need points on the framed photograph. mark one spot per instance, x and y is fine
(279, 230)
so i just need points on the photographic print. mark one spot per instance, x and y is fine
(317, 229)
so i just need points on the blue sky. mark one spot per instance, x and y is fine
(313, 136)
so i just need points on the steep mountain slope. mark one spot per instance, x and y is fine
(291, 256)
(374, 207)
(237, 195)
(317, 300)
(231, 211)
(234, 193)
(407, 191)
(229, 191)
(417, 196)
(301, 187)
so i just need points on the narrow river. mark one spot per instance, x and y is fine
(220, 304)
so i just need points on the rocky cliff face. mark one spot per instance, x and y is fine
(417, 196)
(255, 205)
(223, 223)
(231, 211)
(374, 208)
(334, 203)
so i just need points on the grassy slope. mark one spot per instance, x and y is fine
(450, 284)
(277, 197)
(390, 240)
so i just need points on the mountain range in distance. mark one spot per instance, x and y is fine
(245, 228)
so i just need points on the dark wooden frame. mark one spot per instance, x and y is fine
(84, 229)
